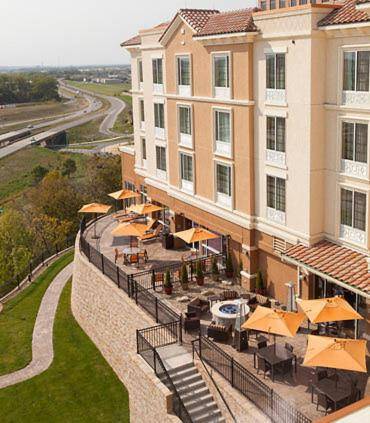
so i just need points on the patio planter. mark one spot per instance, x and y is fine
(185, 286)
(200, 280)
(168, 290)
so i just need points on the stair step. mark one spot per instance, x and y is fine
(180, 368)
(184, 375)
(196, 402)
(195, 389)
(204, 410)
(187, 381)
(215, 417)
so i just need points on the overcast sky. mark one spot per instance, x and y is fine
(78, 32)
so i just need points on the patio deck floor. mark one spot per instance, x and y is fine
(295, 390)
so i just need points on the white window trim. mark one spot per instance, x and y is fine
(352, 168)
(228, 205)
(140, 83)
(221, 92)
(342, 230)
(184, 90)
(161, 174)
(158, 88)
(144, 162)
(142, 122)
(185, 140)
(274, 157)
(272, 214)
(160, 133)
(187, 186)
(274, 96)
(230, 154)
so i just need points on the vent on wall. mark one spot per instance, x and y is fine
(279, 245)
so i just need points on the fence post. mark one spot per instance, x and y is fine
(89, 252)
(153, 280)
(156, 309)
(117, 270)
(200, 346)
(272, 403)
(232, 371)
(137, 341)
(135, 287)
(102, 263)
(180, 329)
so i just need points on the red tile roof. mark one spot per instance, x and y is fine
(346, 14)
(197, 18)
(338, 262)
(132, 41)
(229, 22)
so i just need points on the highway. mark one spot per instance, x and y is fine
(79, 118)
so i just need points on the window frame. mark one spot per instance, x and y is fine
(158, 85)
(349, 232)
(356, 74)
(222, 199)
(273, 212)
(161, 173)
(184, 139)
(160, 132)
(222, 92)
(274, 55)
(186, 185)
(140, 72)
(222, 148)
(183, 90)
(143, 149)
(142, 113)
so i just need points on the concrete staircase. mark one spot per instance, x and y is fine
(195, 394)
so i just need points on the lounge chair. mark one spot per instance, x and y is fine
(117, 255)
(229, 295)
(152, 234)
(198, 306)
(218, 332)
(191, 322)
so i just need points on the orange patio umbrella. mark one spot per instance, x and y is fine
(146, 208)
(130, 229)
(124, 194)
(277, 322)
(337, 353)
(195, 235)
(95, 208)
(328, 310)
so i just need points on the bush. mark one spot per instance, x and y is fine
(259, 281)
(184, 275)
(214, 268)
(199, 270)
(167, 279)
(229, 264)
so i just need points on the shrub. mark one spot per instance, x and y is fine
(184, 275)
(214, 268)
(167, 279)
(259, 281)
(229, 264)
(199, 270)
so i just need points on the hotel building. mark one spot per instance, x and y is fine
(255, 124)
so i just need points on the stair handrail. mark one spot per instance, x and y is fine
(212, 379)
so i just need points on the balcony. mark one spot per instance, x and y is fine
(224, 200)
(160, 133)
(223, 148)
(186, 140)
(275, 215)
(222, 92)
(184, 90)
(276, 158)
(275, 96)
(356, 98)
(158, 88)
(142, 125)
(187, 186)
(355, 169)
(161, 174)
(347, 233)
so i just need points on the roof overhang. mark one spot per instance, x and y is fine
(171, 29)
(285, 258)
(343, 27)
(229, 38)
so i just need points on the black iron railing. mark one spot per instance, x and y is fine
(265, 398)
(161, 336)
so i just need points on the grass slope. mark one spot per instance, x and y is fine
(105, 89)
(18, 319)
(15, 169)
(78, 387)
(86, 132)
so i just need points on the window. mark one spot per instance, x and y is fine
(142, 114)
(223, 184)
(159, 115)
(221, 75)
(186, 172)
(143, 151)
(275, 71)
(282, 3)
(354, 141)
(144, 193)
(185, 126)
(275, 133)
(161, 161)
(183, 70)
(263, 4)
(353, 209)
(293, 2)
(157, 71)
(272, 4)
(276, 193)
(356, 70)
(140, 71)
(223, 132)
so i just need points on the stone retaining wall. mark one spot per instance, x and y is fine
(111, 319)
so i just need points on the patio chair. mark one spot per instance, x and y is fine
(151, 235)
(198, 306)
(191, 322)
(117, 255)
(219, 333)
(261, 344)
(289, 347)
(355, 395)
(229, 295)
(324, 401)
(134, 258)
(143, 255)
(263, 365)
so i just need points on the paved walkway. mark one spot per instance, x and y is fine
(42, 339)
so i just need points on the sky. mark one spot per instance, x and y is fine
(83, 32)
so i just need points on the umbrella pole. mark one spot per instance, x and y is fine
(95, 217)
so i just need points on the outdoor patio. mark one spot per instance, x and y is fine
(295, 389)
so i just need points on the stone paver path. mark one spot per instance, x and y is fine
(42, 338)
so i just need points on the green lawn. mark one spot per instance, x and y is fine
(105, 89)
(86, 132)
(15, 169)
(78, 387)
(18, 318)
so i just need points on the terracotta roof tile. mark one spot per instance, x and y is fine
(229, 22)
(336, 261)
(132, 41)
(197, 18)
(346, 14)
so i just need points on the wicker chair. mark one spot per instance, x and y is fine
(219, 333)
(198, 306)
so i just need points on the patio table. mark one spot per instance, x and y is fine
(335, 392)
(131, 250)
(275, 356)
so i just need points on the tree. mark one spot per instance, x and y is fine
(69, 167)
(38, 173)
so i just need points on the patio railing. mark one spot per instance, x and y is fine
(149, 353)
(264, 397)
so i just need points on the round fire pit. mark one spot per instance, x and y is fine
(225, 312)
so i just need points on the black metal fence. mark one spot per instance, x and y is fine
(265, 398)
(29, 270)
(148, 340)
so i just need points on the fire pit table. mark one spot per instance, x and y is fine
(226, 312)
